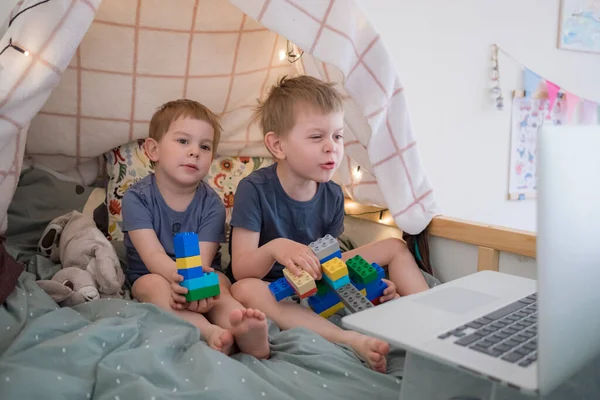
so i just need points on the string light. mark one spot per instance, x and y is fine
(381, 216)
(357, 173)
(10, 43)
(15, 47)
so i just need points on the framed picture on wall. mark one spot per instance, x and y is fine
(579, 28)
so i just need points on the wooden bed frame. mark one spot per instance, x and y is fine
(490, 239)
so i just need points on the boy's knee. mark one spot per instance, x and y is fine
(152, 288)
(247, 289)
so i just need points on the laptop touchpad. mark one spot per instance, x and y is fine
(456, 300)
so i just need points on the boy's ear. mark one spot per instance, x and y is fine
(151, 146)
(273, 143)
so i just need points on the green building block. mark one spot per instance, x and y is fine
(360, 270)
(202, 293)
(322, 287)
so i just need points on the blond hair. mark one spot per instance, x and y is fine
(277, 112)
(172, 110)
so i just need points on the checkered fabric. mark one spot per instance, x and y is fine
(98, 91)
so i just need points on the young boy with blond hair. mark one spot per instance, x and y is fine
(280, 209)
(182, 141)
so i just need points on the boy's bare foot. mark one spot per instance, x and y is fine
(249, 329)
(220, 339)
(372, 350)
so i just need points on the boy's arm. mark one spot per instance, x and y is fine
(152, 253)
(251, 261)
(247, 259)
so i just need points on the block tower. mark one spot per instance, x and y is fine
(200, 284)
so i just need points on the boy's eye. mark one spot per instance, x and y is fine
(205, 147)
(182, 141)
(339, 136)
(315, 137)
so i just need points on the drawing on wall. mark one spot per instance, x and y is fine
(528, 114)
(580, 25)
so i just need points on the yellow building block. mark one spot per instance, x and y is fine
(301, 284)
(331, 310)
(335, 269)
(364, 292)
(189, 262)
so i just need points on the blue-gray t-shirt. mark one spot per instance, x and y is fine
(261, 205)
(145, 208)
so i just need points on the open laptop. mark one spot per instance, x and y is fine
(527, 334)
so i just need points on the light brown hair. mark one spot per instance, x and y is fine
(172, 110)
(277, 112)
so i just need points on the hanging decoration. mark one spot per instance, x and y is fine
(496, 91)
(540, 102)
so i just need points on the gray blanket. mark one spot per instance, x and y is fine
(118, 349)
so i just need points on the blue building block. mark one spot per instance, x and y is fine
(320, 303)
(186, 244)
(337, 254)
(191, 273)
(380, 271)
(335, 285)
(281, 289)
(209, 279)
(374, 289)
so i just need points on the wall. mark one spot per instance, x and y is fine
(442, 50)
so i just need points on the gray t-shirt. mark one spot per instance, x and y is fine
(261, 205)
(145, 208)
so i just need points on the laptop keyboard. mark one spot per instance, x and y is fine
(509, 333)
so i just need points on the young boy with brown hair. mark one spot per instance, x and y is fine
(182, 141)
(280, 209)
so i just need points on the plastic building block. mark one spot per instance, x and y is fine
(320, 303)
(202, 293)
(310, 293)
(337, 254)
(335, 269)
(302, 284)
(281, 289)
(374, 289)
(208, 279)
(352, 299)
(332, 310)
(189, 262)
(360, 270)
(322, 287)
(376, 301)
(186, 244)
(191, 273)
(338, 283)
(379, 270)
(325, 246)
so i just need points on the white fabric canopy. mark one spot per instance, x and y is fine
(96, 72)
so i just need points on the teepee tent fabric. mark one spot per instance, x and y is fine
(97, 90)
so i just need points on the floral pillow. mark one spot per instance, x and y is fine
(129, 163)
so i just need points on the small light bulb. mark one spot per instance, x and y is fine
(357, 173)
(26, 53)
(281, 55)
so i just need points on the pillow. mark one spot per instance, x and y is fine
(129, 163)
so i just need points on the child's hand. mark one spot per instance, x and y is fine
(296, 257)
(390, 292)
(202, 306)
(178, 301)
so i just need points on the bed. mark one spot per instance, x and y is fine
(122, 349)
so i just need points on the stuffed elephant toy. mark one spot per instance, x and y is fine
(71, 286)
(74, 240)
